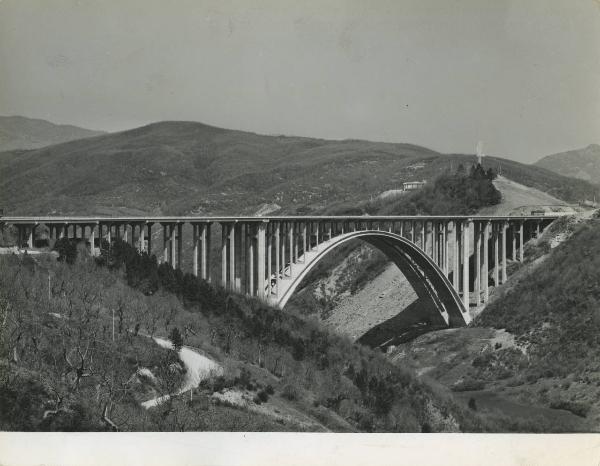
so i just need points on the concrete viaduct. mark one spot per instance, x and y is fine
(449, 260)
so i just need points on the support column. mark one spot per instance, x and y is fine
(31, 236)
(304, 251)
(207, 253)
(513, 235)
(231, 256)
(165, 227)
(92, 239)
(19, 236)
(238, 250)
(504, 229)
(291, 244)
(149, 245)
(179, 243)
(465, 245)
(295, 240)
(434, 242)
(251, 251)
(203, 252)
(277, 257)
(521, 242)
(142, 239)
(260, 258)
(224, 234)
(270, 257)
(423, 235)
(195, 240)
(445, 252)
(477, 251)
(456, 256)
(486, 269)
(495, 233)
(282, 248)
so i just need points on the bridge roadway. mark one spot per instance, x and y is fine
(447, 259)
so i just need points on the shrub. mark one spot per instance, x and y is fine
(289, 392)
(468, 385)
(262, 396)
(67, 250)
(579, 409)
(176, 339)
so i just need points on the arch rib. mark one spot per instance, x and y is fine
(427, 278)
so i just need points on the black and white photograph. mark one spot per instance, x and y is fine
(268, 232)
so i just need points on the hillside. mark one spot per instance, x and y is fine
(183, 167)
(21, 133)
(63, 366)
(357, 292)
(580, 163)
(531, 356)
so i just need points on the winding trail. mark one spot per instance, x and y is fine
(198, 367)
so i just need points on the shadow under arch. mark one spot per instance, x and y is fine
(427, 279)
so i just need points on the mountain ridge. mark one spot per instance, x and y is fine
(23, 133)
(578, 163)
(175, 167)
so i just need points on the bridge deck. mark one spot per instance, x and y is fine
(304, 218)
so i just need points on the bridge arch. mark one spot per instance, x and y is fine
(427, 279)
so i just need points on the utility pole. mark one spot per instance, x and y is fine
(49, 289)
(113, 325)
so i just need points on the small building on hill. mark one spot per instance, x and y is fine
(413, 185)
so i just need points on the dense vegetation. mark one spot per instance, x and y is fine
(557, 309)
(63, 366)
(62, 369)
(460, 193)
(554, 314)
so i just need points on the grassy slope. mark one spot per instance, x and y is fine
(178, 167)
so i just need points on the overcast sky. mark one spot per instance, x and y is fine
(522, 76)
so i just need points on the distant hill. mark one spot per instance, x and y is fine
(182, 167)
(17, 132)
(580, 163)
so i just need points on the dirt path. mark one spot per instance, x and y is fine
(198, 367)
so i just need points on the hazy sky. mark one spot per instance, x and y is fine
(523, 76)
